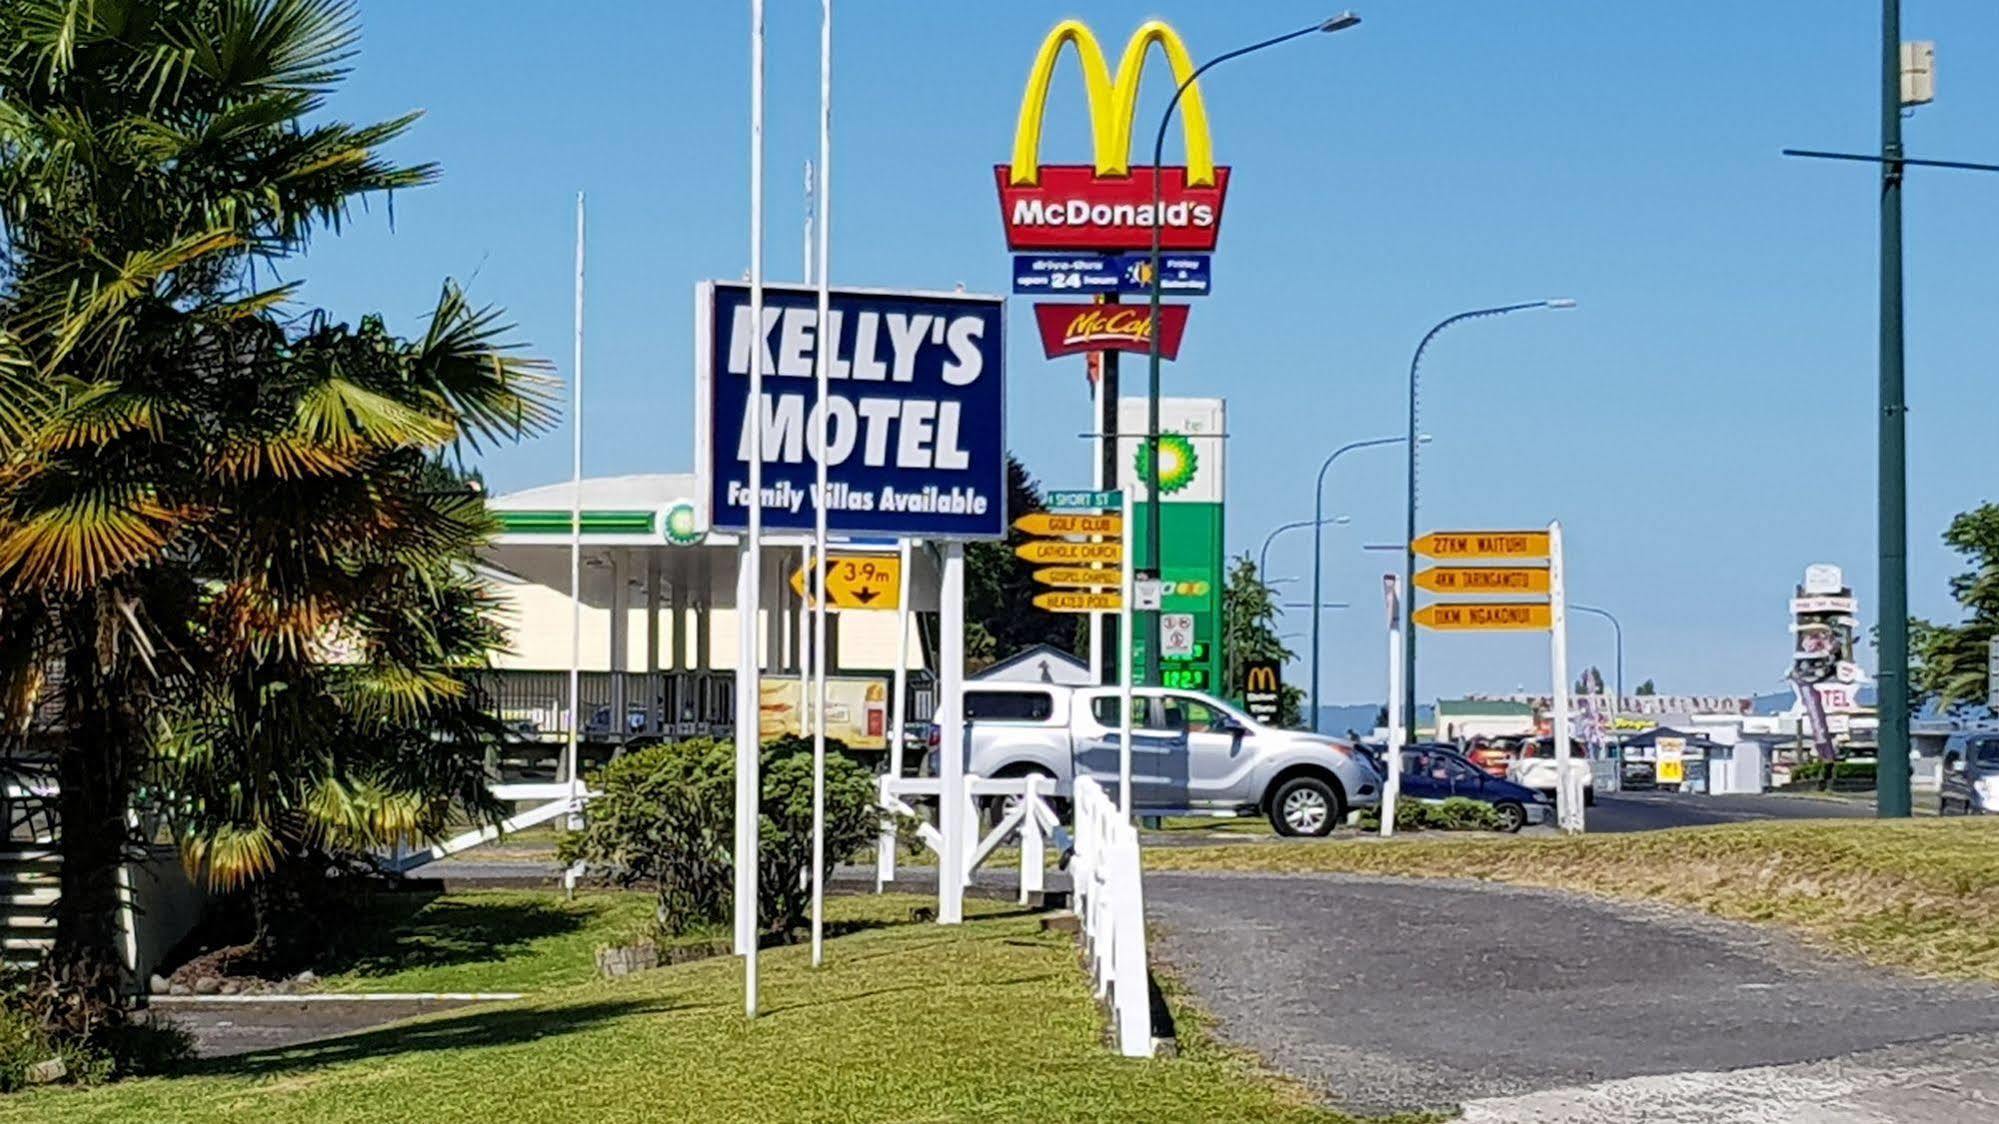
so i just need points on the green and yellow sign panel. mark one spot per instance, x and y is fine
(1192, 490)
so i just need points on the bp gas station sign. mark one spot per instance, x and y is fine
(1192, 487)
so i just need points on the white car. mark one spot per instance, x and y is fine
(1535, 768)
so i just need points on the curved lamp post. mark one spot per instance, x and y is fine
(1409, 539)
(1152, 516)
(1617, 631)
(1263, 555)
(1318, 550)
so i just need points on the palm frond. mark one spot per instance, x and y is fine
(80, 539)
(494, 392)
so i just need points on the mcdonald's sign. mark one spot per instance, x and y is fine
(1104, 206)
(1263, 690)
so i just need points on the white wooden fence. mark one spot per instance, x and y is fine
(1032, 819)
(1110, 900)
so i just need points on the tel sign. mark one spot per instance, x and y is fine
(916, 444)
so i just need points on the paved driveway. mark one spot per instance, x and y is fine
(1387, 994)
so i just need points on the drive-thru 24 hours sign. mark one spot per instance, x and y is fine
(916, 443)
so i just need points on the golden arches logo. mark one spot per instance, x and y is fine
(1113, 101)
(1262, 679)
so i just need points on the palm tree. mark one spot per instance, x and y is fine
(155, 160)
(336, 712)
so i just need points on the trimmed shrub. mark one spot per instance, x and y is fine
(1457, 813)
(665, 820)
(1858, 774)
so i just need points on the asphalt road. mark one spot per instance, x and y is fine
(1385, 994)
(1620, 812)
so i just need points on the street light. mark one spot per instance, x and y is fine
(1263, 555)
(1409, 538)
(1617, 630)
(1152, 515)
(1318, 548)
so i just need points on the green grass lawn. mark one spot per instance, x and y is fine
(485, 940)
(991, 1020)
(1921, 896)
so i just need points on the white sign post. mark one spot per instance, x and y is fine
(1568, 797)
(1393, 789)
(1124, 663)
(1992, 673)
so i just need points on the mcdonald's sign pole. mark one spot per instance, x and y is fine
(1196, 112)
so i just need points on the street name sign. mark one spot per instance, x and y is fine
(1483, 544)
(1084, 500)
(1052, 523)
(858, 581)
(1078, 601)
(1495, 617)
(1081, 576)
(1057, 550)
(1483, 579)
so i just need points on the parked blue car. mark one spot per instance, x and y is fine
(1435, 772)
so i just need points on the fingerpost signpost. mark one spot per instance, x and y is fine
(1523, 611)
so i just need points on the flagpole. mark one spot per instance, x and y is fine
(825, 348)
(570, 752)
(749, 584)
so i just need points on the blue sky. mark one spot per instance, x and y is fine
(1703, 424)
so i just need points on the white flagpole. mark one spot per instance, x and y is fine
(824, 350)
(750, 581)
(571, 757)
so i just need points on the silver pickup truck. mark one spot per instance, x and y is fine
(1191, 754)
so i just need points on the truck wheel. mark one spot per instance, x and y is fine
(998, 808)
(1305, 806)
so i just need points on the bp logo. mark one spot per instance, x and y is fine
(1178, 463)
(679, 525)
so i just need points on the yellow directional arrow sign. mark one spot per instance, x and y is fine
(1461, 617)
(1066, 601)
(1483, 544)
(1078, 576)
(1053, 523)
(1483, 579)
(858, 581)
(1052, 550)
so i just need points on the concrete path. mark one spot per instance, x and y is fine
(1948, 1082)
(1388, 994)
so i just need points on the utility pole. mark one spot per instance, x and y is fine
(1892, 772)
(1907, 79)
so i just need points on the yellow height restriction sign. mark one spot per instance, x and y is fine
(1078, 601)
(1483, 544)
(1497, 617)
(1484, 579)
(858, 581)
(1062, 523)
(1055, 550)
(1081, 576)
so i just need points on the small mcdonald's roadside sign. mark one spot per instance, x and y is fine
(1263, 690)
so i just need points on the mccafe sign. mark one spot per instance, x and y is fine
(1071, 329)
